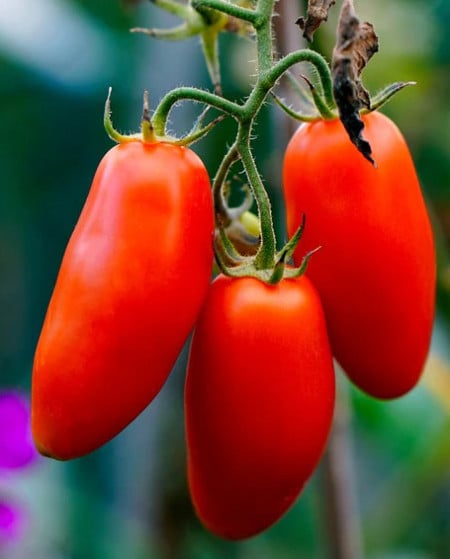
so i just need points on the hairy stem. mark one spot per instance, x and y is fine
(245, 114)
(226, 8)
(162, 111)
(265, 258)
(220, 205)
(304, 55)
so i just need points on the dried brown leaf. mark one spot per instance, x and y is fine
(356, 44)
(316, 13)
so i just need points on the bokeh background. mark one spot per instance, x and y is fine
(129, 499)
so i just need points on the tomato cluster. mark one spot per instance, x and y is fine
(260, 387)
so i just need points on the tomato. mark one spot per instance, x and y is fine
(132, 281)
(259, 401)
(376, 269)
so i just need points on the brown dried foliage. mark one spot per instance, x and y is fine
(316, 13)
(356, 44)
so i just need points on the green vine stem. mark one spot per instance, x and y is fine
(220, 206)
(246, 113)
(304, 55)
(162, 111)
(250, 16)
(208, 18)
(267, 264)
(265, 257)
(206, 23)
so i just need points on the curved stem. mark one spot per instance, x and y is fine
(265, 257)
(194, 94)
(268, 79)
(226, 8)
(304, 55)
(220, 206)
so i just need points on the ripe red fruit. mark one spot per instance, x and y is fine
(259, 401)
(376, 270)
(132, 281)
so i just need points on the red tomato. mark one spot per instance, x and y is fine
(376, 270)
(259, 401)
(133, 278)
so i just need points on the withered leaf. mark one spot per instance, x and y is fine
(316, 13)
(356, 44)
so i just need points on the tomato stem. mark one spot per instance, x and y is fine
(266, 264)
(251, 16)
(162, 111)
(220, 206)
(208, 18)
(316, 60)
(265, 257)
(203, 20)
(148, 135)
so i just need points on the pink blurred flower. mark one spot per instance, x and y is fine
(16, 451)
(11, 523)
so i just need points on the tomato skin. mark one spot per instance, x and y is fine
(119, 314)
(259, 401)
(376, 270)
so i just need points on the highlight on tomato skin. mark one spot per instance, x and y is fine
(119, 314)
(259, 402)
(376, 270)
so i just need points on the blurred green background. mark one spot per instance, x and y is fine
(129, 499)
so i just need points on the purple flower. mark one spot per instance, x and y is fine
(11, 523)
(16, 451)
(16, 446)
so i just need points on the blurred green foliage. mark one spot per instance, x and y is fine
(129, 499)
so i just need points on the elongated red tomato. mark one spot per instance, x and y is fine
(376, 270)
(259, 401)
(132, 281)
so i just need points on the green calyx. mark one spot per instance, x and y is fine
(385, 95)
(318, 104)
(148, 134)
(235, 264)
